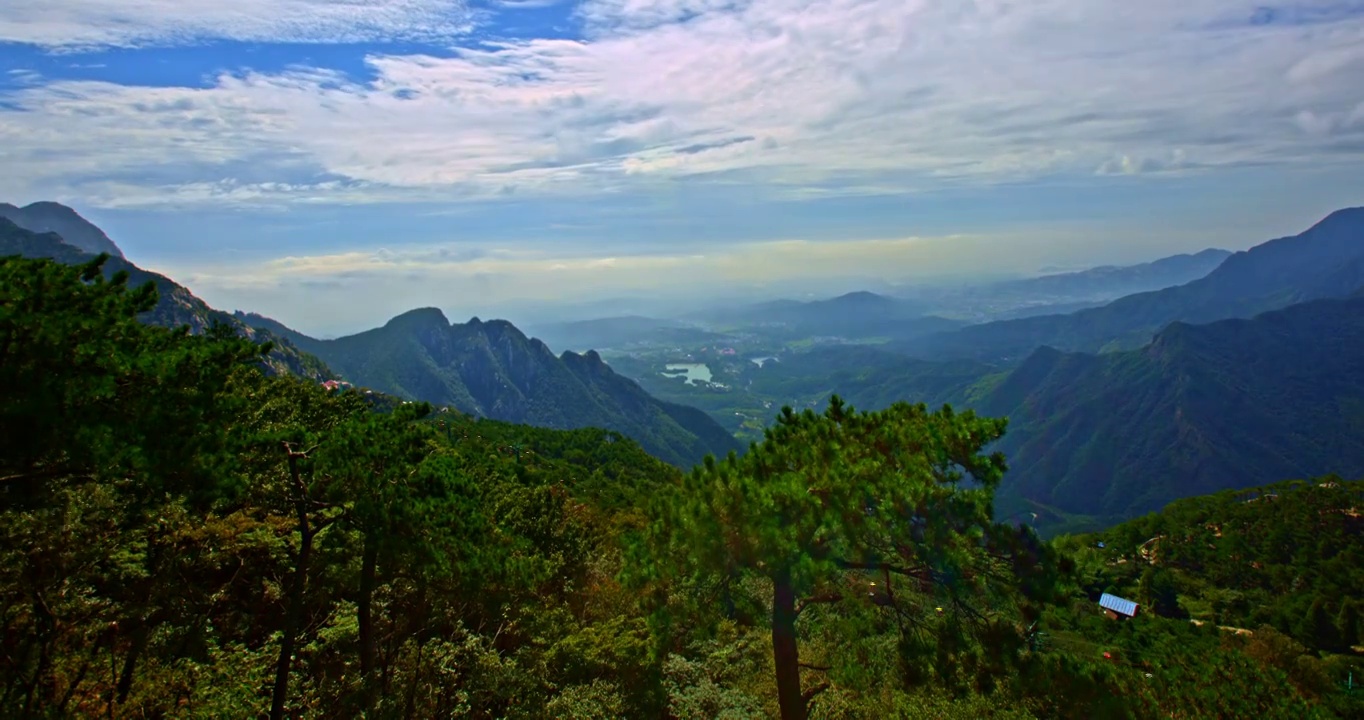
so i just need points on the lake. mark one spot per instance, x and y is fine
(696, 373)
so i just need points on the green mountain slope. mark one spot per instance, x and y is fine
(493, 370)
(1327, 260)
(1203, 408)
(868, 378)
(175, 307)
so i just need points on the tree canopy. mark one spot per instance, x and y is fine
(184, 536)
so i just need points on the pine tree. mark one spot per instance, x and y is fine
(1347, 623)
(889, 510)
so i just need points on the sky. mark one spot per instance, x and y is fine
(332, 163)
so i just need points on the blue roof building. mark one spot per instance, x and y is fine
(1118, 608)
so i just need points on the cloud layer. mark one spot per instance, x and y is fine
(789, 98)
(84, 24)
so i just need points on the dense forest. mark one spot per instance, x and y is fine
(185, 536)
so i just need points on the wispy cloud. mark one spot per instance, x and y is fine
(789, 97)
(83, 24)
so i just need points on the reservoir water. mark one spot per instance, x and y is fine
(696, 373)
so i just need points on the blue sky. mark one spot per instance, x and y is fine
(332, 163)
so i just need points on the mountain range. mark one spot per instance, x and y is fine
(1095, 438)
(491, 369)
(485, 369)
(1212, 401)
(852, 315)
(1250, 374)
(1326, 260)
(1116, 281)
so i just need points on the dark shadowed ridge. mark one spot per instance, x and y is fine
(1202, 408)
(44, 217)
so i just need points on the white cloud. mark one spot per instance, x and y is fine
(792, 97)
(74, 24)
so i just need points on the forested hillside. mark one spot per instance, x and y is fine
(175, 306)
(1289, 555)
(184, 536)
(500, 373)
(1275, 569)
(491, 369)
(1204, 408)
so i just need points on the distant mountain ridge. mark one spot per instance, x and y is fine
(854, 314)
(74, 230)
(1326, 260)
(1124, 279)
(491, 369)
(618, 331)
(175, 307)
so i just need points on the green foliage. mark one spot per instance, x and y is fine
(890, 511)
(175, 307)
(85, 388)
(182, 535)
(1288, 555)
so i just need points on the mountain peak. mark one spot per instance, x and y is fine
(1349, 221)
(861, 297)
(1351, 214)
(503, 326)
(74, 230)
(420, 317)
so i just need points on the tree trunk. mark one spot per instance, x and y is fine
(141, 636)
(297, 587)
(365, 612)
(784, 651)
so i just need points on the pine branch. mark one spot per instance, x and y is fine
(825, 599)
(810, 694)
